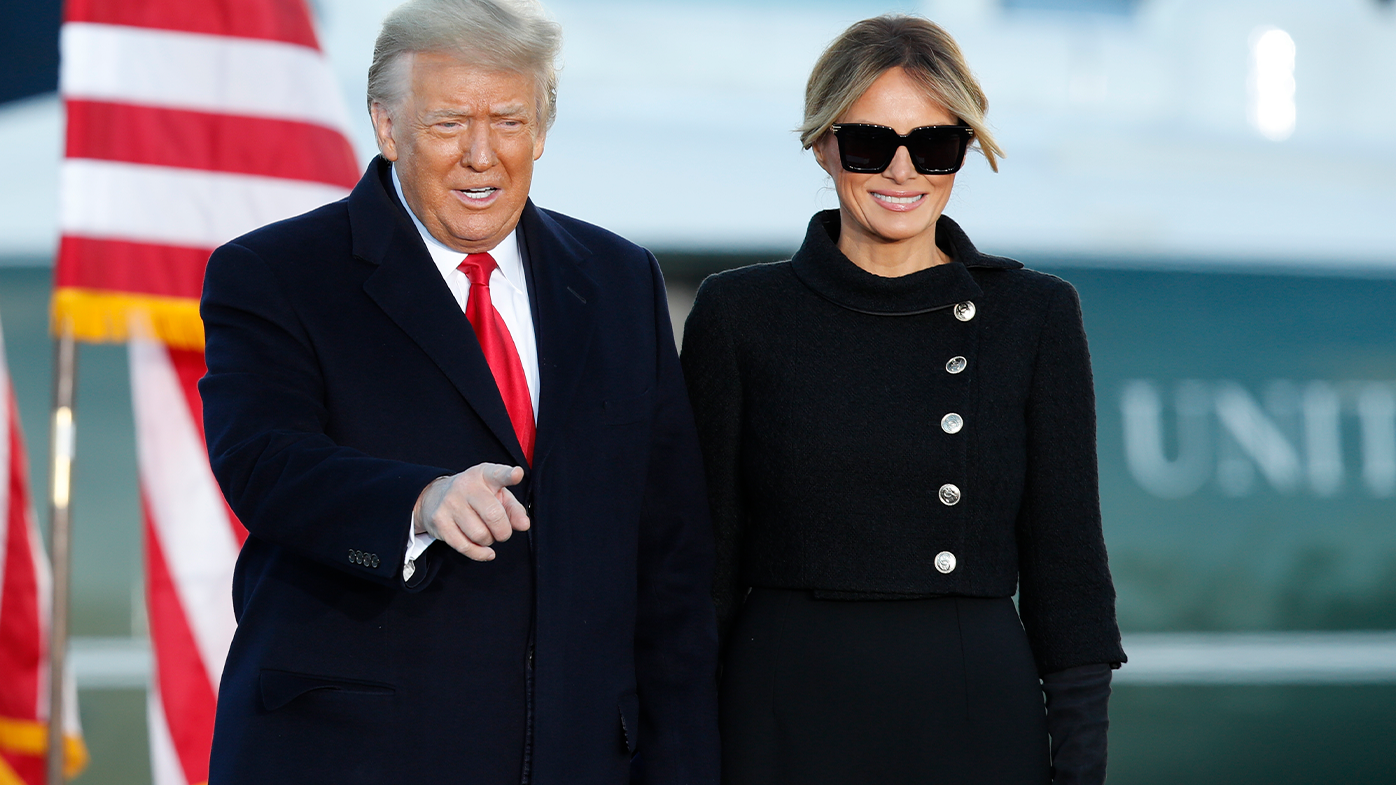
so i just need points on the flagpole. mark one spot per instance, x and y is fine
(60, 541)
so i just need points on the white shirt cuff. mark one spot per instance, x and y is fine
(416, 543)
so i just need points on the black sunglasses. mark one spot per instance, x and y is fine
(934, 149)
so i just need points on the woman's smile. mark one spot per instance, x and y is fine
(899, 202)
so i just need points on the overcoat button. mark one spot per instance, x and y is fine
(945, 562)
(956, 364)
(964, 311)
(952, 423)
(353, 556)
(949, 495)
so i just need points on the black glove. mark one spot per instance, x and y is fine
(1077, 718)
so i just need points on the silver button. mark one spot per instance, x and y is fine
(952, 423)
(964, 311)
(945, 562)
(949, 495)
(956, 364)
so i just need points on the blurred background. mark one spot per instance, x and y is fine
(1218, 179)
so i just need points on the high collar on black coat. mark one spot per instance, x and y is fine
(408, 287)
(824, 268)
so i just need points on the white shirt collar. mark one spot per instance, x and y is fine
(506, 254)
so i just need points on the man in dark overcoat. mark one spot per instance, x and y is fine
(455, 428)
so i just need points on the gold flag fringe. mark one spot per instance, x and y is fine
(100, 316)
(30, 737)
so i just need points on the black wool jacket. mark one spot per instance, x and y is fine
(931, 434)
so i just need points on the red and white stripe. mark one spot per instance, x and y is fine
(189, 122)
(192, 542)
(25, 591)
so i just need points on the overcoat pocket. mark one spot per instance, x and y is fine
(281, 687)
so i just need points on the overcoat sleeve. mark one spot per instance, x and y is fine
(715, 386)
(676, 635)
(265, 419)
(1066, 597)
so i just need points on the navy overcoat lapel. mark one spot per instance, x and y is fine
(409, 289)
(566, 300)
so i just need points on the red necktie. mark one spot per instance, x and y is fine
(499, 349)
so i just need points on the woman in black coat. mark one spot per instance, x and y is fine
(899, 434)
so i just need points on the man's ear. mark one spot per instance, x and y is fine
(383, 130)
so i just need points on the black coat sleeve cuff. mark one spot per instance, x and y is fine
(1077, 720)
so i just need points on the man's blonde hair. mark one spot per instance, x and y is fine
(504, 35)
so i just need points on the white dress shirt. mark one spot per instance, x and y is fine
(508, 293)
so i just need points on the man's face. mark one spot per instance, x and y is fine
(463, 141)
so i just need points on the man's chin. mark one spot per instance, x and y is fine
(477, 236)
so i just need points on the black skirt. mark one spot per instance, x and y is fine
(940, 690)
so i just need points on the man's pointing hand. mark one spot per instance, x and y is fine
(472, 510)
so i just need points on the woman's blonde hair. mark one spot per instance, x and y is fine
(874, 46)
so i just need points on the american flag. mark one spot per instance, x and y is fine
(24, 619)
(190, 122)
